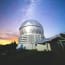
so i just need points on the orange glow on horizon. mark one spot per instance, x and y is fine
(8, 41)
(7, 37)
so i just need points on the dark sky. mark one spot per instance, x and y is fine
(50, 13)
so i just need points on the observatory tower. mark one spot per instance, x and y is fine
(31, 32)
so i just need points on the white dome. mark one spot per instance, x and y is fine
(31, 26)
(30, 23)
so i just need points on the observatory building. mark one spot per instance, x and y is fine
(31, 33)
(32, 37)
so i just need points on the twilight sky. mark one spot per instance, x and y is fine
(50, 13)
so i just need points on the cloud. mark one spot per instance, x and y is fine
(3, 38)
(8, 36)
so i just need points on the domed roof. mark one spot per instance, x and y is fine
(30, 23)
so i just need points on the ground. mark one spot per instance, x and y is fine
(10, 56)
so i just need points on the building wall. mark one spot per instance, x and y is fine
(29, 39)
(43, 47)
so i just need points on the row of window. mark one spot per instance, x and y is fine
(30, 38)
